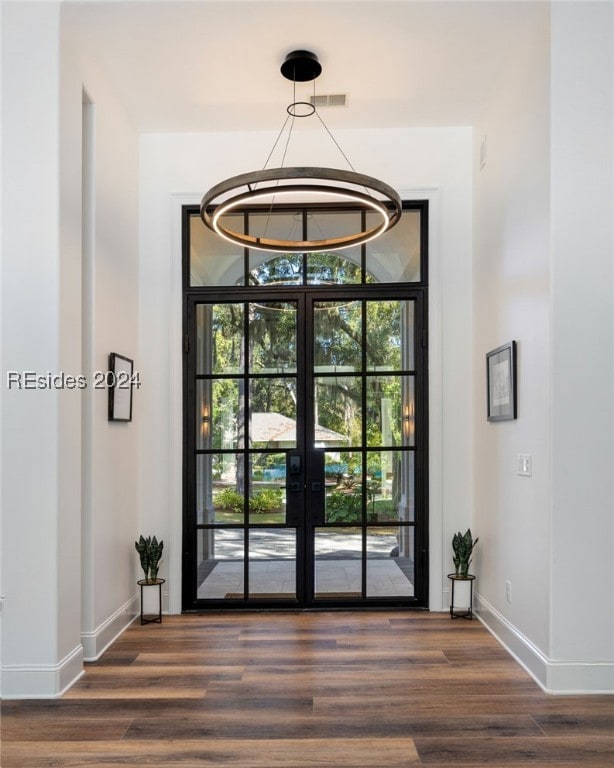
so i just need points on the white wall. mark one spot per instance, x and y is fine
(105, 271)
(43, 635)
(176, 169)
(543, 276)
(582, 157)
(30, 309)
(512, 301)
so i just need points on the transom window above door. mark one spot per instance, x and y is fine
(395, 257)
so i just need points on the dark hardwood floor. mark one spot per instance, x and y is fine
(334, 689)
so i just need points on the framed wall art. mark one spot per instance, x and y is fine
(120, 379)
(501, 382)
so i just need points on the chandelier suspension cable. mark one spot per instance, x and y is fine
(335, 142)
(316, 112)
(283, 157)
(279, 135)
(283, 160)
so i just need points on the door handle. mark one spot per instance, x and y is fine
(294, 470)
(294, 486)
(294, 461)
(317, 499)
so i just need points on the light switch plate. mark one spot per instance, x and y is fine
(525, 464)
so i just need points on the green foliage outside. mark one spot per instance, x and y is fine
(265, 500)
(230, 500)
(343, 507)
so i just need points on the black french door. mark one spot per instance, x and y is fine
(305, 447)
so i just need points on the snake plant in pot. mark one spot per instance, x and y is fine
(463, 545)
(150, 553)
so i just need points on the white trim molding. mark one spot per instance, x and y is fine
(175, 399)
(556, 677)
(98, 640)
(437, 589)
(42, 681)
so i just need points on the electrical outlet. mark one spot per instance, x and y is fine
(508, 591)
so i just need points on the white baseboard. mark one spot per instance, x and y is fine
(99, 639)
(557, 677)
(42, 681)
(48, 681)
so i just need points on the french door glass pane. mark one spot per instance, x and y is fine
(343, 481)
(267, 488)
(390, 486)
(272, 563)
(272, 337)
(337, 339)
(221, 554)
(338, 411)
(218, 475)
(338, 563)
(390, 573)
(273, 413)
(390, 336)
(220, 414)
(219, 339)
(228, 485)
(390, 410)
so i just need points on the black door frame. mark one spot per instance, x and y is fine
(304, 294)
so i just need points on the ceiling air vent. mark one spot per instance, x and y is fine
(329, 100)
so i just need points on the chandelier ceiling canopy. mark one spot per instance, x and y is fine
(310, 186)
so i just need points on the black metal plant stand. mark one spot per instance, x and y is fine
(152, 583)
(467, 614)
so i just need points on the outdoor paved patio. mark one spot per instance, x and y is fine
(273, 568)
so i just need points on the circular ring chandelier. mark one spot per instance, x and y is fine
(317, 184)
(309, 187)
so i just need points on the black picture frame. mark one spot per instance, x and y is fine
(501, 383)
(119, 384)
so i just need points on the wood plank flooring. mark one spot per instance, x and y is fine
(336, 689)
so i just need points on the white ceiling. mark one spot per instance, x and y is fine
(208, 66)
